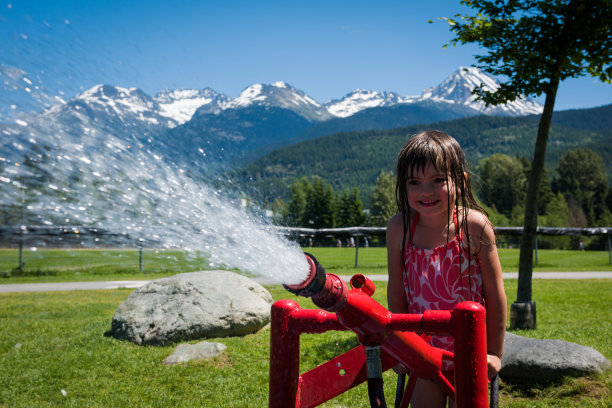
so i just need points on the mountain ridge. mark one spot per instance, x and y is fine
(179, 105)
(349, 159)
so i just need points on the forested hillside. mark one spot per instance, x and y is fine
(355, 159)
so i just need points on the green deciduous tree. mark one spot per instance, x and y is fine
(557, 214)
(501, 182)
(383, 200)
(581, 176)
(536, 44)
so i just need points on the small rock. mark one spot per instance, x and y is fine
(200, 351)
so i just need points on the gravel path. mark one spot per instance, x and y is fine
(55, 286)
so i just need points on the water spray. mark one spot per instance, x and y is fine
(387, 339)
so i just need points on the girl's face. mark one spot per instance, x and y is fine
(429, 192)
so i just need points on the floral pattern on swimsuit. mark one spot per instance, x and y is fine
(439, 279)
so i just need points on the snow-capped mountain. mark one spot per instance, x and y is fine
(362, 99)
(181, 104)
(129, 106)
(457, 88)
(263, 114)
(281, 95)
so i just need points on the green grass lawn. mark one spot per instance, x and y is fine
(51, 265)
(55, 341)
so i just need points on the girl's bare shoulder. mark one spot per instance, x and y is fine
(395, 226)
(396, 220)
(481, 229)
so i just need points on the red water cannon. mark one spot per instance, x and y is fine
(387, 339)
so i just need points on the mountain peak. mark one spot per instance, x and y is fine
(280, 84)
(457, 88)
(282, 95)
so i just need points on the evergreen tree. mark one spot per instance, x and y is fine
(343, 212)
(356, 209)
(297, 204)
(280, 212)
(320, 205)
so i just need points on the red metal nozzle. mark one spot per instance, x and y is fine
(327, 291)
(313, 283)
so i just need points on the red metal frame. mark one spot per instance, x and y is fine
(374, 325)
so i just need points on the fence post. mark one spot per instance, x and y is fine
(20, 251)
(140, 254)
(609, 248)
(357, 251)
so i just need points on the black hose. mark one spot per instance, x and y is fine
(494, 398)
(376, 393)
(399, 391)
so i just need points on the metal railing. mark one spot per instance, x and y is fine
(67, 234)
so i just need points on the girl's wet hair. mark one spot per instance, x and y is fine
(446, 156)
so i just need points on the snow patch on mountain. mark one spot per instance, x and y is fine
(361, 99)
(181, 104)
(121, 102)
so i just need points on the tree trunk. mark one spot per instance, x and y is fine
(523, 314)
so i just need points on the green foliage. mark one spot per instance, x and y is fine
(580, 176)
(297, 205)
(358, 163)
(501, 182)
(537, 43)
(316, 206)
(349, 209)
(320, 205)
(383, 200)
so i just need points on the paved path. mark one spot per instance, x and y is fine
(55, 286)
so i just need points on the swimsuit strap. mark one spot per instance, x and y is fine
(456, 222)
(413, 227)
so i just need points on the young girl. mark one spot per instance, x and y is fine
(441, 248)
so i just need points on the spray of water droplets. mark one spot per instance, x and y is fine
(96, 179)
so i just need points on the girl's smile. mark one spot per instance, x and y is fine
(429, 193)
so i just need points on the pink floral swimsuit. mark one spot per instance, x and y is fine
(434, 280)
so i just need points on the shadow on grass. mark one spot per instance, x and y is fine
(562, 388)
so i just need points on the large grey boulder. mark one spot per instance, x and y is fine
(192, 306)
(532, 360)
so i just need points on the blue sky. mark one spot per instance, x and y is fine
(325, 48)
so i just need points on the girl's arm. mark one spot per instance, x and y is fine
(493, 287)
(396, 295)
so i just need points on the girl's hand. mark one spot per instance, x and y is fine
(493, 365)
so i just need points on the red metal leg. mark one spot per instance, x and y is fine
(470, 355)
